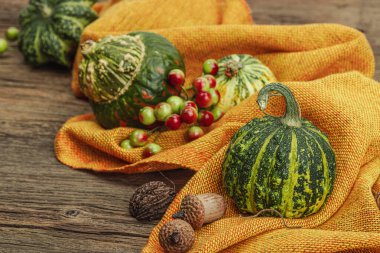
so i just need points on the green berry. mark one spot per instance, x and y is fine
(151, 149)
(176, 103)
(218, 113)
(211, 67)
(146, 116)
(215, 96)
(3, 46)
(126, 144)
(201, 84)
(139, 138)
(194, 133)
(12, 34)
(162, 111)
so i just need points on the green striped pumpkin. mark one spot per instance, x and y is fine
(122, 74)
(51, 29)
(239, 76)
(281, 163)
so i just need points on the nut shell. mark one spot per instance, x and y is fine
(192, 211)
(150, 201)
(176, 236)
(200, 209)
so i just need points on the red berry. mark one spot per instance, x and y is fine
(205, 118)
(201, 84)
(210, 66)
(212, 80)
(194, 133)
(189, 104)
(138, 138)
(204, 99)
(176, 77)
(151, 149)
(173, 122)
(189, 115)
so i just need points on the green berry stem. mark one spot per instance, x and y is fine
(152, 131)
(156, 137)
(157, 130)
(185, 91)
(190, 88)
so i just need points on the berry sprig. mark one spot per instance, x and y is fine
(139, 138)
(200, 111)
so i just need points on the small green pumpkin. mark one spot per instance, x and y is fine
(281, 163)
(239, 76)
(122, 74)
(51, 29)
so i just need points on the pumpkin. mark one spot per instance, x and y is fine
(280, 163)
(239, 76)
(122, 74)
(50, 29)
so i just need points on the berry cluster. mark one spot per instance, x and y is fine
(175, 110)
(139, 138)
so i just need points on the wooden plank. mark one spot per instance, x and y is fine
(46, 207)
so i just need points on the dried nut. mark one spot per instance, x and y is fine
(176, 236)
(201, 209)
(150, 200)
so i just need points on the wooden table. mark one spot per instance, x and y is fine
(47, 207)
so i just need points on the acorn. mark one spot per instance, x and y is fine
(150, 201)
(201, 209)
(176, 236)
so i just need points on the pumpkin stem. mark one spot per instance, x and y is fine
(45, 10)
(292, 115)
(87, 47)
(232, 68)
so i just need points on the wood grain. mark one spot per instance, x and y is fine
(47, 207)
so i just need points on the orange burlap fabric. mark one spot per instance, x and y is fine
(328, 67)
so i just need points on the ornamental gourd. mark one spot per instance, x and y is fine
(239, 76)
(281, 163)
(122, 74)
(50, 29)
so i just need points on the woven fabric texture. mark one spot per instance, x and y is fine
(347, 108)
(328, 67)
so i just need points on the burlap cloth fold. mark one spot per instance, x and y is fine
(328, 67)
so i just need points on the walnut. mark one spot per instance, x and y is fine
(176, 236)
(150, 201)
